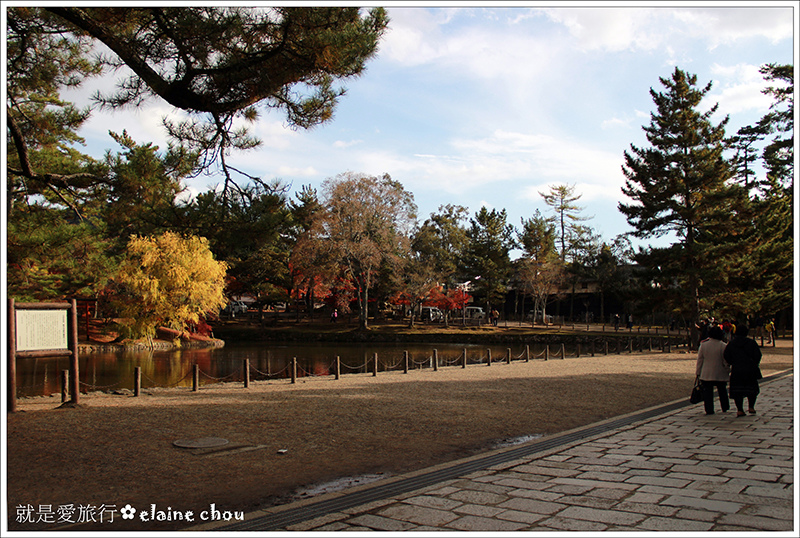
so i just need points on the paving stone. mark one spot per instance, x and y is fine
(379, 523)
(569, 489)
(478, 510)
(544, 471)
(475, 523)
(442, 492)
(704, 504)
(674, 524)
(594, 483)
(657, 481)
(418, 514)
(751, 475)
(775, 512)
(673, 491)
(588, 501)
(536, 494)
(575, 525)
(608, 517)
(699, 515)
(779, 492)
(317, 521)
(696, 469)
(518, 483)
(532, 505)
(606, 477)
(521, 517)
(440, 503)
(337, 526)
(644, 498)
(610, 493)
(478, 497)
(756, 522)
(478, 486)
(646, 508)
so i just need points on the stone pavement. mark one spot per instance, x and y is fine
(678, 471)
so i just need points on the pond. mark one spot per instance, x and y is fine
(108, 371)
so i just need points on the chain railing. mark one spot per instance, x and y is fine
(374, 364)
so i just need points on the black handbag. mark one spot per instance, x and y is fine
(697, 391)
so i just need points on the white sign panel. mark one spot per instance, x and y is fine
(41, 329)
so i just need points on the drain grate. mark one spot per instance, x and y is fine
(292, 516)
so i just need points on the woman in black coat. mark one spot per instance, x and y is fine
(744, 356)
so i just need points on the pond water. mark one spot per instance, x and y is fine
(108, 371)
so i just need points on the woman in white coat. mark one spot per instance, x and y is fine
(713, 370)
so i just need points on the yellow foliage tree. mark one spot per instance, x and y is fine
(167, 280)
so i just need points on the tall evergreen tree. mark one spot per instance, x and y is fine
(567, 218)
(679, 185)
(488, 254)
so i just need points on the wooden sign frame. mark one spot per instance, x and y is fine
(71, 349)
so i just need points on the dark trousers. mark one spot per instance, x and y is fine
(708, 395)
(739, 401)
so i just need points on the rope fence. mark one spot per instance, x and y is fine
(375, 364)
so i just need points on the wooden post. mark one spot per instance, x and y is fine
(246, 370)
(527, 352)
(12, 357)
(73, 347)
(137, 380)
(508, 355)
(593, 344)
(464, 359)
(650, 344)
(375, 371)
(578, 350)
(630, 345)
(435, 361)
(338, 367)
(294, 370)
(547, 352)
(606, 346)
(618, 347)
(488, 357)
(64, 385)
(405, 362)
(563, 353)
(195, 378)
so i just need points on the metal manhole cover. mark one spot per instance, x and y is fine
(203, 442)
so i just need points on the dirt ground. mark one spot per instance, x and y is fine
(116, 450)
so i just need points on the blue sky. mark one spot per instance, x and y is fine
(488, 106)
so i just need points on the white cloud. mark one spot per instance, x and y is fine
(341, 144)
(725, 25)
(738, 89)
(609, 29)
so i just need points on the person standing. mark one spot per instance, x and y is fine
(713, 371)
(744, 357)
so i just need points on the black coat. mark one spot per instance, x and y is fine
(744, 356)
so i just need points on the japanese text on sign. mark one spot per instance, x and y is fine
(41, 329)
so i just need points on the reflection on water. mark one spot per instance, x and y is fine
(115, 370)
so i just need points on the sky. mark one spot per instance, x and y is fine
(484, 105)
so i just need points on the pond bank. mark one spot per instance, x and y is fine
(432, 334)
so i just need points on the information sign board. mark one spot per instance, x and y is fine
(41, 330)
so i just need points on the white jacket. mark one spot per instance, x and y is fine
(711, 365)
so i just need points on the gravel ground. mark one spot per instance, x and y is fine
(289, 441)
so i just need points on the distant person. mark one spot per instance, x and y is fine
(494, 315)
(744, 357)
(770, 328)
(713, 371)
(334, 315)
(616, 322)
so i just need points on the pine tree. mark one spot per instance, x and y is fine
(679, 185)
